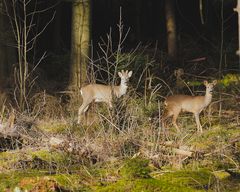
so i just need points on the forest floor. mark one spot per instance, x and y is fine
(125, 149)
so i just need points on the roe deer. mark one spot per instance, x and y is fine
(194, 104)
(103, 93)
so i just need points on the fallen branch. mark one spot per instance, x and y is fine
(174, 148)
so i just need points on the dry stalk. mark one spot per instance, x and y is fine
(22, 23)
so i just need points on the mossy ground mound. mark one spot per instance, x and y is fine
(124, 175)
(42, 180)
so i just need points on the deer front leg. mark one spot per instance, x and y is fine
(109, 102)
(166, 115)
(174, 120)
(199, 126)
(110, 105)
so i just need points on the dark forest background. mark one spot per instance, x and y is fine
(146, 21)
(210, 33)
(63, 45)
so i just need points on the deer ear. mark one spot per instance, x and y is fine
(119, 74)
(214, 82)
(205, 82)
(129, 73)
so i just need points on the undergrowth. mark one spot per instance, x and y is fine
(126, 148)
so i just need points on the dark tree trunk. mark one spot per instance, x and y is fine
(80, 43)
(171, 29)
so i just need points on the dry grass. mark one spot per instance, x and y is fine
(46, 106)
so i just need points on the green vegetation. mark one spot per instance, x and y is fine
(125, 148)
(104, 158)
(138, 180)
(230, 79)
(135, 168)
(134, 174)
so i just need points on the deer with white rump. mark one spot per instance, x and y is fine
(193, 104)
(103, 93)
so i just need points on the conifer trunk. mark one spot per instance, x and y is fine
(171, 29)
(80, 43)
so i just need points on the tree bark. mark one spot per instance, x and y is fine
(237, 9)
(171, 29)
(80, 42)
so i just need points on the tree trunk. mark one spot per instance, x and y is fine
(237, 9)
(171, 29)
(80, 42)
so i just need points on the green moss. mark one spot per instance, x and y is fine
(9, 159)
(135, 168)
(136, 177)
(11, 180)
(216, 136)
(221, 174)
(151, 109)
(145, 185)
(73, 182)
(139, 179)
(51, 156)
(53, 127)
(42, 159)
(212, 142)
(200, 179)
(28, 180)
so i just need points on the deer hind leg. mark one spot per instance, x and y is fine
(174, 119)
(82, 109)
(199, 126)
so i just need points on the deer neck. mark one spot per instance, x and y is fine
(122, 89)
(208, 98)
